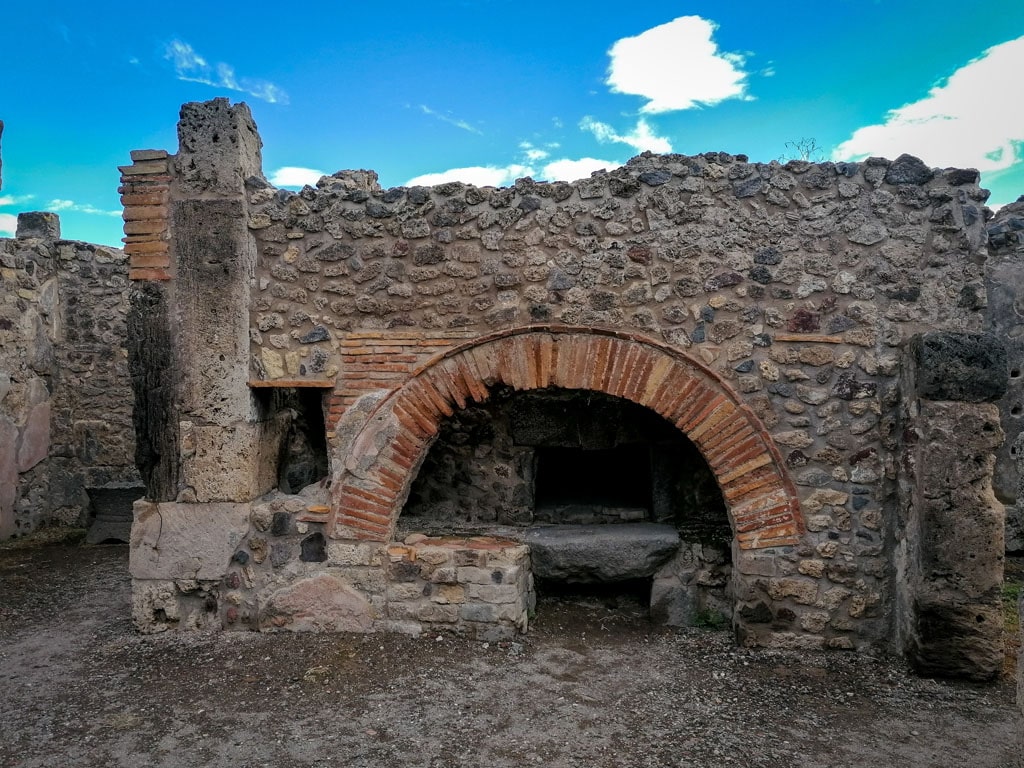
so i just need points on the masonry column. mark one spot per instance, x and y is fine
(228, 451)
(949, 555)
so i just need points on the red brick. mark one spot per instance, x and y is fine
(630, 360)
(149, 246)
(719, 418)
(149, 273)
(695, 416)
(143, 260)
(144, 212)
(150, 197)
(470, 377)
(413, 420)
(145, 227)
(598, 362)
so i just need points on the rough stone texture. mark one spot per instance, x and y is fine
(38, 224)
(1004, 292)
(969, 367)
(785, 295)
(952, 557)
(154, 377)
(1015, 529)
(65, 404)
(692, 588)
(320, 603)
(600, 553)
(229, 445)
(185, 541)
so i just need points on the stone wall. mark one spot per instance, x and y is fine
(65, 398)
(764, 310)
(1004, 317)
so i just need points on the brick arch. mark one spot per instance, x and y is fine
(386, 454)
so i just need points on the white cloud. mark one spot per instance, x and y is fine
(8, 224)
(492, 176)
(450, 120)
(191, 67)
(58, 205)
(956, 124)
(294, 176)
(676, 66)
(641, 138)
(477, 175)
(573, 170)
(14, 199)
(532, 153)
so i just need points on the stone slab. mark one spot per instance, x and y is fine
(321, 603)
(185, 541)
(35, 437)
(599, 553)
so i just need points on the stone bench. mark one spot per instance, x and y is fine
(600, 553)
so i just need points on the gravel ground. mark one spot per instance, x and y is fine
(593, 684)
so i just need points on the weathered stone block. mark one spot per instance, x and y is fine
(968, 367)
(595, 553)
(35, 437)
(39, 224)
(185, 541)
(321, 603)
(953, 638)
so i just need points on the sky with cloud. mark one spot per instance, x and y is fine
(488, 91)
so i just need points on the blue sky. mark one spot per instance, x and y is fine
(490, 90)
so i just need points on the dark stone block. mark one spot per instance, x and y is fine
(600, 553)
(803, 321)
(907, 169)
(314, 548)
(319, 333)
(957, 177)
(655, 178)
(748, 188)
(957, 640)
(38, 224)
(723, 280)
(768, 255)
(965, 367)
(154, 377)
(282, 524)
(848, 388)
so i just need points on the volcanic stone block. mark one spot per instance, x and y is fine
(38, 224)
(968, 367)
(599, 553)
(955, 540)
(957, 639)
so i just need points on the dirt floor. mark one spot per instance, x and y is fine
(593, 684)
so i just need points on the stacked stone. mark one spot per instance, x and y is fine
(144, 189)
(480, 586)
(268, 566)
(797, 283)
(65, 424)
(28, 306)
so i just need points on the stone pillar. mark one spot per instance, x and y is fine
(1004, 286)
(949, 555)
(228, 452)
